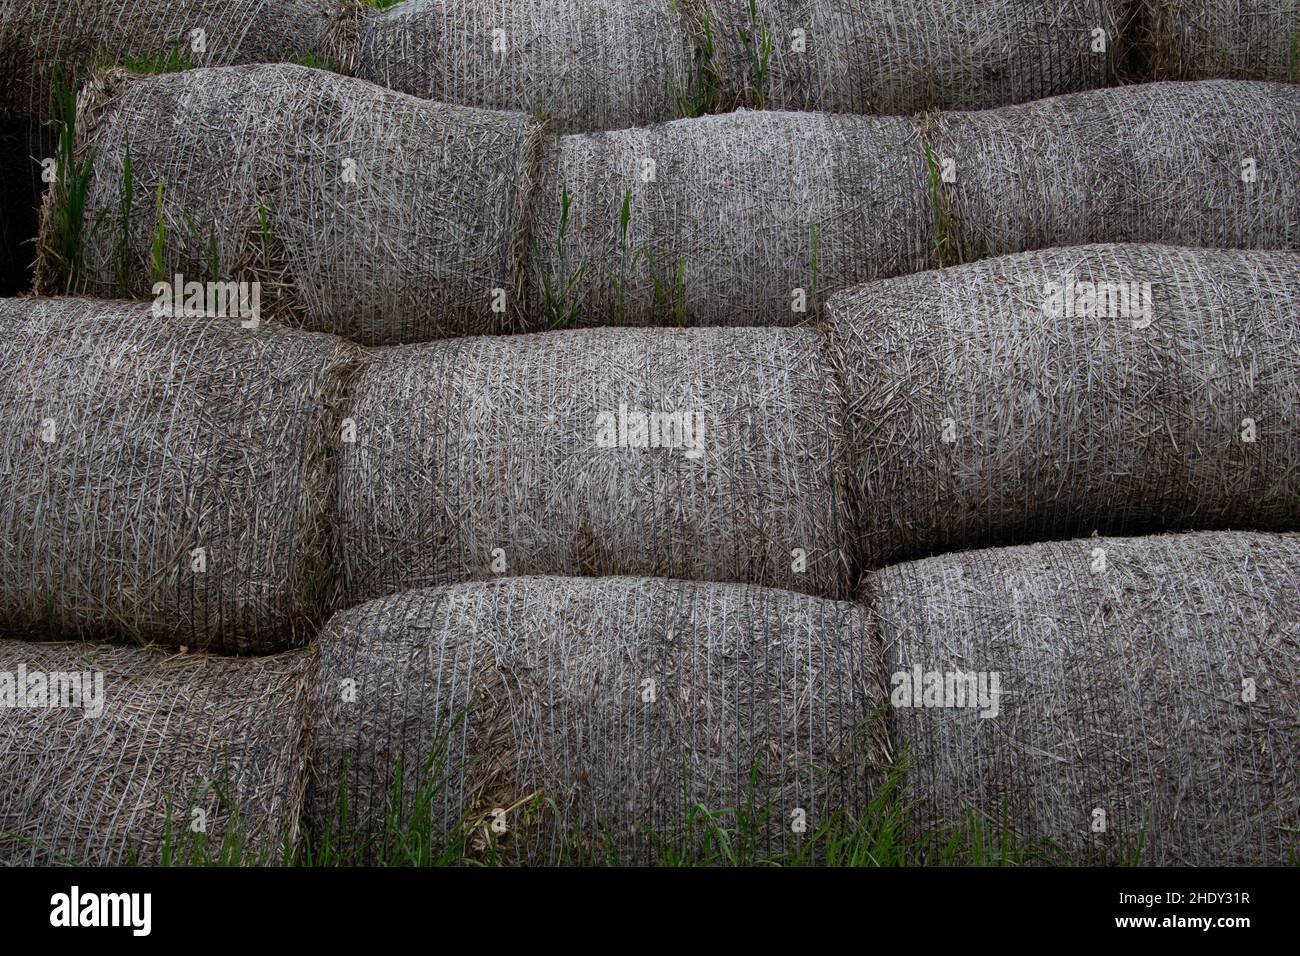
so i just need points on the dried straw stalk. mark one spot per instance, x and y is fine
(482, 456)
(977, 416)
(183, 742)
(591, 710)
(165, 479)
(1162, 691)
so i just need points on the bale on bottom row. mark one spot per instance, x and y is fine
(573, 717)
(692, 453)
(164, 478)
(1147, 704)
(112, 755)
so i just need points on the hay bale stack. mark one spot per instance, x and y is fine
(727, 216)
(588, 64)
(387, 218)
(1230, 39)
(1162, 691)
(165, 479)
(154, 740)
(903, 56)
(981, 413)
(622, 700)
(1161, 162)
(39, 41)
(522, 455)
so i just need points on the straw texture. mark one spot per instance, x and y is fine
(979, 416)
(361, 211)
(588, 64)
(81, 788)
(131, 442)
(1233, 39)
(622, 700)
(39, 40)
(476, 446)
(903, 56)
(728, 215)
(1160, 162)
(1122, 692)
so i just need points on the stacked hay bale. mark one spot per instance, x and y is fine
(114, 756)
(902, 56)
(1120, 389)
(64, 38)
(743, 219)
(165, 478)
(1147, 695)
(709, 454)
(1208, 164)
(360, 211)
(588, 64)
(578, 718)
(1229, 39)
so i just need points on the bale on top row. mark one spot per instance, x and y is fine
(1147, 701)
(389, 219)
(166, 479)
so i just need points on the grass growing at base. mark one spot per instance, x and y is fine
(703, 89)
(757, 42)
(62, 246)
(560, 300)
(945, 249)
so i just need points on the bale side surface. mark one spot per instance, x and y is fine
(727, 216)
(1229, 39)
(1120, 691)
(588, 64)
(96, 790)
(42, 40)
(1159, 162)
(903, 56)
(977, 418)
(623, 700)
(387, 218)
(467, 447)
(164, 436)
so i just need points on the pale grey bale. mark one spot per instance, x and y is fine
(1228, 39)
(727, 217)
(160, 744)
(1149, 695)
(508, 454)
(981, 414)
(1212, 164)
(166, 480)
(593, 714)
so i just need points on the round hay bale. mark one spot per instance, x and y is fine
(152, 747)
(39, 41)
(594, 713)
(1209, 164)
(710, 454)
(981, 412)
(360, 211)
(1229, 39)
(588, 64)
(903, 56)
(1146, 711)
(166, 479)
(726, 217)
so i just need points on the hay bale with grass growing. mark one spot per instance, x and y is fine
(1232, 39)
(588, 64)
(1209, 164)
(751, 218)
(113, 755)
(165, 479)
(903, 56)
(593, 719)
(67, 38)
(708, 454)
(1146, 697)
(1114, 389)
(360, 211)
